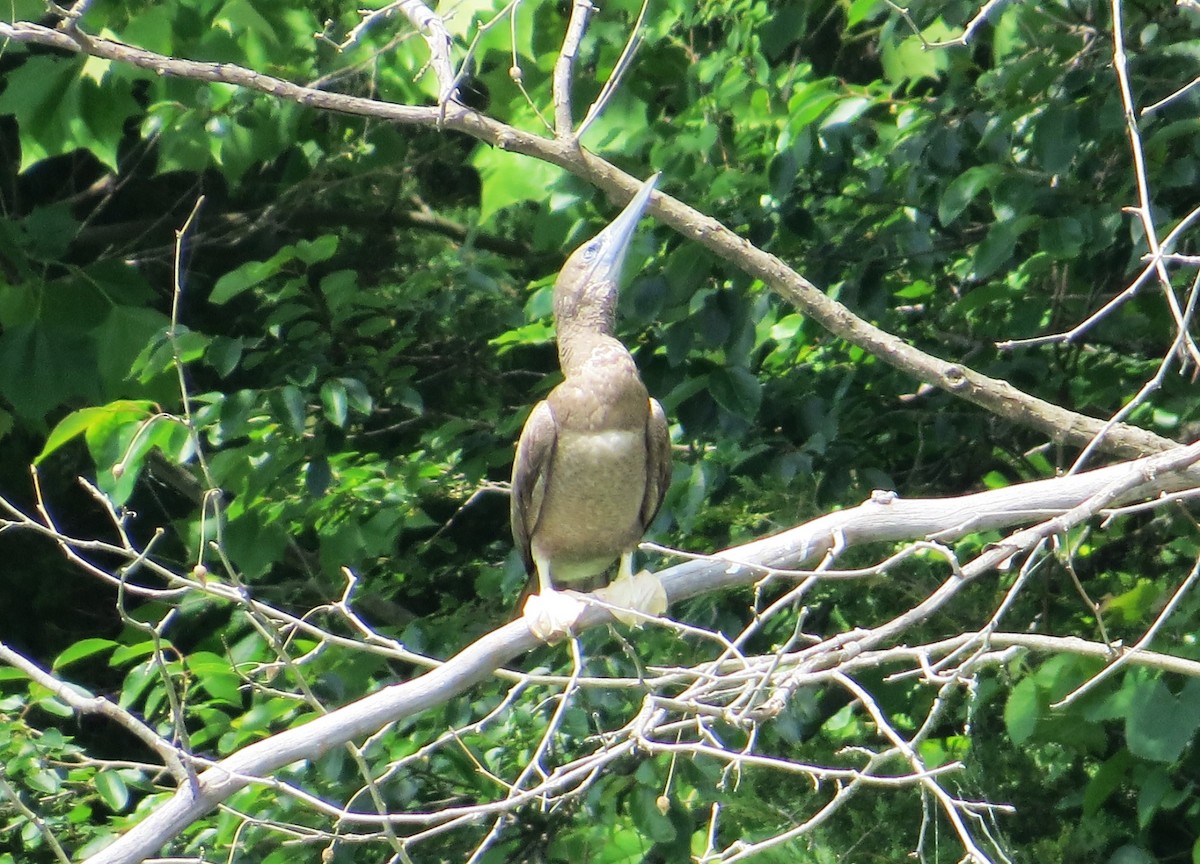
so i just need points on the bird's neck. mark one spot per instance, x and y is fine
(585, 319)
(585, 308)
(580, 348)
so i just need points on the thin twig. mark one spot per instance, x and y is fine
(1147, 637)
(564, 67)
(614, 80)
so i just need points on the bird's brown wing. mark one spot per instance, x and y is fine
(530, 468)
(658, 462)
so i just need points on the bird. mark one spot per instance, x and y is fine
(594, 458)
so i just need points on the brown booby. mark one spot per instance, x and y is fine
(594, 458)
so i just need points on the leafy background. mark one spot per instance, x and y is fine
(364, 321)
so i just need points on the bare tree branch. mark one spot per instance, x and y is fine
(1077, 498)
(84, 703)
(1144, 209)
(564, 69)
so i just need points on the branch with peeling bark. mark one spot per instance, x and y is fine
(732, 687)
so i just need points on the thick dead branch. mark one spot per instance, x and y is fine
(884, 518)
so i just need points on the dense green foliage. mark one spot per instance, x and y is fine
(363, 320)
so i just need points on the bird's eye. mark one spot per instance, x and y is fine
(590, 252)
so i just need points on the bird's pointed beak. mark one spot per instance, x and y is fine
(612, 243)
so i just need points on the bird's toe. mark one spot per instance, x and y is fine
(641, 593)
(552, 615)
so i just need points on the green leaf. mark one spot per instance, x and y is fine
(342, 291)
(936, 752)
(1022, 710)
(1056, 138)
(509, 178)
(50, 230)
(318, 475)
(964, 188)
(537, 333)
(1135, 604)
(86, 419)
(736, 390)
(648, 818)
(70, 427)
(53, 706)
(1061, 238)
(847, 111)
(915, 290)
(1011, 33)
(59, 111)
(995, 480)
(863, 10)
(997, 247)
(140, 679)
(82, 649)
(43, 366)
(189, 344)
(787, 327)
(411, 399)
(152, 29)
(295, 407)
(18, 302)
(905, 57)
(333, 399)
(983, 296)
(248, 275)
(161, 354)
(112, 790)
(124, 333)
(120, 441)
(356, 393)
(1108, 778)
(1159, 724)
(128, 653)
(224, 354)
(1153, 791)
(240, 19)
(214, 674)
(314, 251)
(44, 781)
(809, 103)
(254, 544)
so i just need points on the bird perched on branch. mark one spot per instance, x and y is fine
(594, 459)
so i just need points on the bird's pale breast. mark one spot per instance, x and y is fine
(592, 508)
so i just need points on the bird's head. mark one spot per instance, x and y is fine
(586, 289)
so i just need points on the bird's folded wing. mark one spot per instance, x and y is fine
(532, 464)
(658, 462)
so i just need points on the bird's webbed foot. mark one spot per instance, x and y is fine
(640, 592)
(552, 615)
